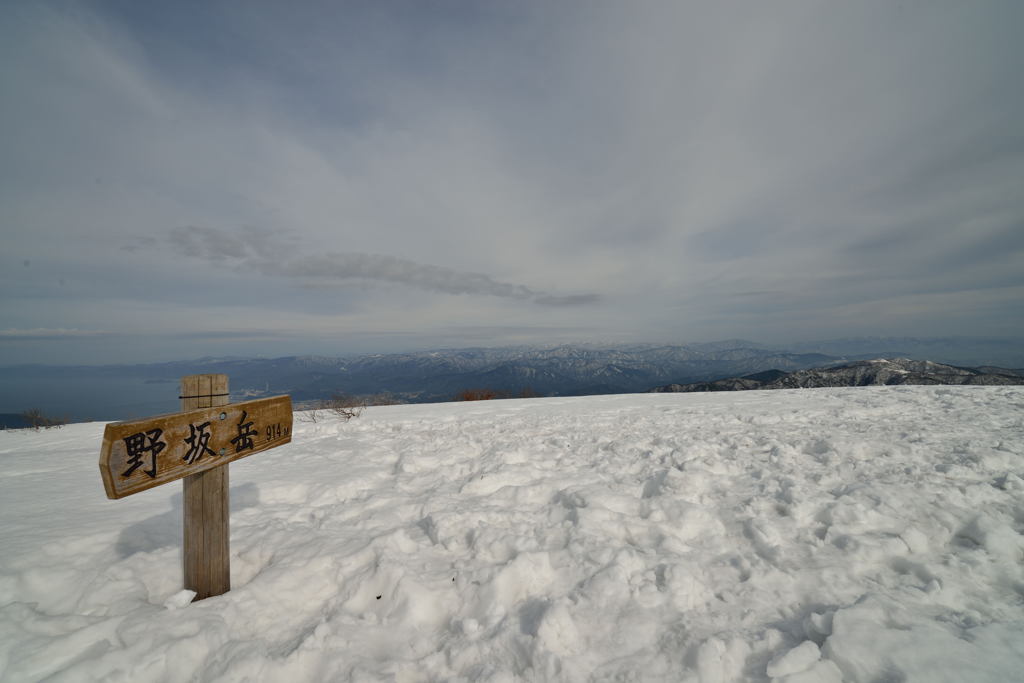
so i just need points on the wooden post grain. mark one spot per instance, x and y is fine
(205, 549)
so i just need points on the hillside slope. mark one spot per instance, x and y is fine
(837, 534)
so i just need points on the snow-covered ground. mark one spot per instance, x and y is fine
(870, 534)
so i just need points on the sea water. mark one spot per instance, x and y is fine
(87, 399)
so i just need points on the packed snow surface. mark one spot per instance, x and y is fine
(859, 535)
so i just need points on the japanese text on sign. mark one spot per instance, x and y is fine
(139, 455)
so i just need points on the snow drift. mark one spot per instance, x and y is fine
(820, 535)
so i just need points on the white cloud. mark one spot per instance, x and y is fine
(669, 158)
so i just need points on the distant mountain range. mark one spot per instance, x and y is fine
(120, 391)
(439, 375)
(858, 374)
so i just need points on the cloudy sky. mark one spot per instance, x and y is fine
(181, 179)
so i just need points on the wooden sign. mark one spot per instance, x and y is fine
(145, 453)
(196, 446)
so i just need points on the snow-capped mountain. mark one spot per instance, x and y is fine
(879, 371)
(566, 370)
(125, 391)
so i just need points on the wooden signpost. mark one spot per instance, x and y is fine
(195, 445)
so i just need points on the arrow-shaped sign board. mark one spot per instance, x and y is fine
(145, 453)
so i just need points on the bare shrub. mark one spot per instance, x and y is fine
(479, 395)
(35, 419)
(345, 407)
(313, 415)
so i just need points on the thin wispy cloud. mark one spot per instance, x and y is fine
(271, 254)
